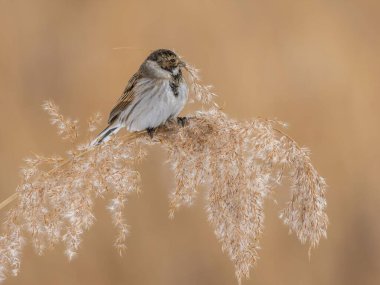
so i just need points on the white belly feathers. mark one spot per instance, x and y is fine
(154, 103)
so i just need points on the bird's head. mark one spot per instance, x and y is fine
(167, 60)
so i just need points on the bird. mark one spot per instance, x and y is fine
(156, 93)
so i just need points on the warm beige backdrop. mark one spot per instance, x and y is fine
(314, 64)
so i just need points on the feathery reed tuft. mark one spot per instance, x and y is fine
(239, 162)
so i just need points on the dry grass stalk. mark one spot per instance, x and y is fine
(239, 162)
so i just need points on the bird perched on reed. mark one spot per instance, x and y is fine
(156, 93)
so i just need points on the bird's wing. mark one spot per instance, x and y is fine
(125, 99)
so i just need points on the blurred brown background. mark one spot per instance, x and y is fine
(314, 64)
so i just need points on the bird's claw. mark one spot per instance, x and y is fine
(182, 121)
(150, 132)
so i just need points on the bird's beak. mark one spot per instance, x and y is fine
(182, 63)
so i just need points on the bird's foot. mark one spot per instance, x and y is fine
(150, 132)
(181, 121)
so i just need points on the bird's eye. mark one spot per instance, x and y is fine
(172, 60)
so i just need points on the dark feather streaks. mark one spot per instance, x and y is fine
(125, 99)
(175, 81)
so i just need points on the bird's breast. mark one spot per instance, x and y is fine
(154, 103)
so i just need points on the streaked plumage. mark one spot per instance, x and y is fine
(156, 93)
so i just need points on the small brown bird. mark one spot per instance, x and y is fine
(156, 93)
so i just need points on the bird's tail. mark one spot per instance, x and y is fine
(105, 135)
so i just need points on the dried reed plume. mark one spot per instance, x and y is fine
(239, 162)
